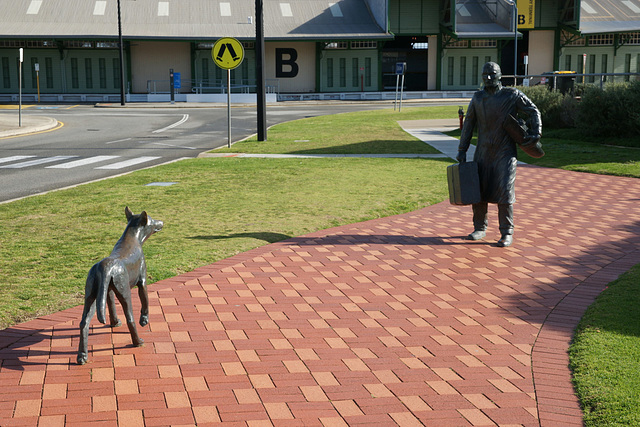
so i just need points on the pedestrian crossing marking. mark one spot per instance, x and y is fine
(36, 162)
(14, 159)
(127, 163)
(26, 161)
(82, 162)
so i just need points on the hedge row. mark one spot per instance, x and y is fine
(611, 112)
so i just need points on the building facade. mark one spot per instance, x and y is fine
(72, 46)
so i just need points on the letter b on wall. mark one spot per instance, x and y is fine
(286, 66)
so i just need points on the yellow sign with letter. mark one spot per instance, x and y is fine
(526, 14)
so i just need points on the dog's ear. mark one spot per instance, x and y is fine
(128, 213)
(144, 219)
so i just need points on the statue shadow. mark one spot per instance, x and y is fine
(265, 236)
(21, 348)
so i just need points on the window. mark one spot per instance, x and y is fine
(450, 66)
(355, 72)
(484, 43)
(6, 78)
(48, 71)
(475, 70)
(34, 75)
(205, 69)
(364, 45)
(74, 73)
(460, 44)
(329, 72)
(343, 72)
(88, 72)
(463, 71)
(115, 65)
(336, 45)
(601, 40)
(102, 68)
(592, 67)
(367, 72)
(627, 66)
(604, 65)
(567, 63)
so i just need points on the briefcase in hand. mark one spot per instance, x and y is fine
(464, 183)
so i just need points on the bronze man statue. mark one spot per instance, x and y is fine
(496, 151)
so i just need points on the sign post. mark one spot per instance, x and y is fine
(37, 67)
(401, 68)
(20, 87)
(228, 53)
(171, 87)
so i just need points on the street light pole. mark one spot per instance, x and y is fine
(515, 42)
(121, 56)
(260, 74)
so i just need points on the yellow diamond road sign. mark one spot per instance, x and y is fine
(227, 53)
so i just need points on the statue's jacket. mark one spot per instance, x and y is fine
(496, 152)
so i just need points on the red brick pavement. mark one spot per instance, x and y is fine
(395, 321)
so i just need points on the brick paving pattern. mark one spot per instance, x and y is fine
(395, 321)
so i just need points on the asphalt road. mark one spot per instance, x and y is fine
(96, 143)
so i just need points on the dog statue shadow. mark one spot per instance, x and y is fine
(115, 276)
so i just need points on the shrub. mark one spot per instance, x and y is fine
(557, 110)
(613, 111)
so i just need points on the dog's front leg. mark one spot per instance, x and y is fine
(144, 302)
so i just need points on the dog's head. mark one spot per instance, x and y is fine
(145, 225)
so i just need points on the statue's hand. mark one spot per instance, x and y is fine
(532, 139)
(461, 157)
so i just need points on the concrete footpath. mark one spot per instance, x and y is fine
(393, 321)
(11, 125)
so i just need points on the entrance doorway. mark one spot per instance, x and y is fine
(413, 51)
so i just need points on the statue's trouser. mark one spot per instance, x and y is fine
(505, 217)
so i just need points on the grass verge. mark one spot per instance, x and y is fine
(605, 354)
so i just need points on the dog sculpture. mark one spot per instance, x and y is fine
(115, 276)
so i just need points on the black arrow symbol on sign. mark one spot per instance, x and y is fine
(232, 51)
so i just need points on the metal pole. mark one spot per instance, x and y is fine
(260, 74)
(120, 48)
(515, 42)
(229, 108)
(20, 88)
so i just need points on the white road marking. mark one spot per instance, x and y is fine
(37, 162)
(127, 163)
(82, 162)
(14, 158)
(178, 123)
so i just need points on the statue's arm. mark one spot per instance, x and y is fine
(526, 106)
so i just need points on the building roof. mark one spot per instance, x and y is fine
(189, 19)
(483, 19)
(609, 16)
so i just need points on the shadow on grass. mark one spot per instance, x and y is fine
(266, 236)
(373, 147)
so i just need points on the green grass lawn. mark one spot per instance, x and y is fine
(368, 132)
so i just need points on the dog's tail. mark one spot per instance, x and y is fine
(102, 279)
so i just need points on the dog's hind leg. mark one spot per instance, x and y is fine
(114, 322)
(125, 300)
(89, 311)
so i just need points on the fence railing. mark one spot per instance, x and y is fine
(560, 80)
(200, 86)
